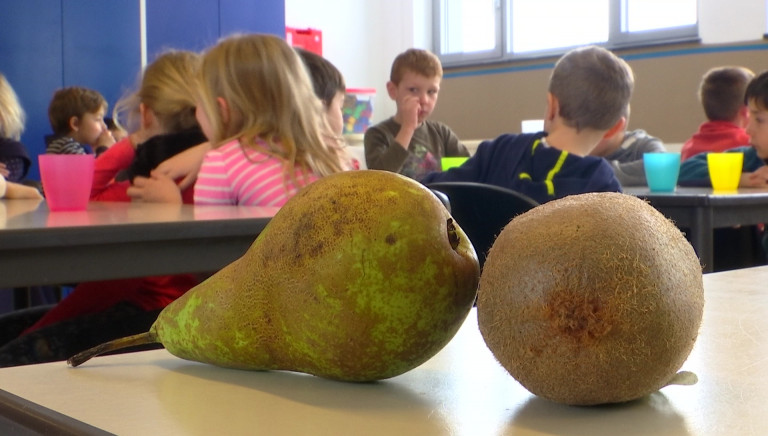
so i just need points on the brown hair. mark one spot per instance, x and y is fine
(71, 102)
(327, 80)
(721, 92)
(593, 87)
(418, 61)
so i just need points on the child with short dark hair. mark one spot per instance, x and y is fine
(77, 119)
(695, 171)
(721, 93)
(329, 87)
(408, 143)
(589, 93)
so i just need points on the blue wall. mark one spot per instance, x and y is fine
(49, 44)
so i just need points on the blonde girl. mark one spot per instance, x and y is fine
(12, 116)
(267, 128)
(161, 116)
(14, 159)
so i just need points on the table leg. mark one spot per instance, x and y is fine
(702, 238)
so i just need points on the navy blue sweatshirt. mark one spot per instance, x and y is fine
(524, 163)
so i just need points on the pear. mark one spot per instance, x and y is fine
(361, 276)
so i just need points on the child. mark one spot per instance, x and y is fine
(722, 95)
(695, 170)
(77, 119)
(747, 245)
(624, 151)
(14, 159)
(257, 107)
(589, 92)
(409, 143)
(329, 87)
(163, 106)
(163, 112)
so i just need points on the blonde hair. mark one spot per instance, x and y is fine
(270, 98)
(12, 115)
(167, 87)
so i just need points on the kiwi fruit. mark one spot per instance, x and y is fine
(591, 299)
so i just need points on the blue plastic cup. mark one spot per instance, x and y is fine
(661, 171)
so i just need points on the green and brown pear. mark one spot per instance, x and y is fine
(361, 276)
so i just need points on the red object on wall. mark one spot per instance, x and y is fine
(308, 39)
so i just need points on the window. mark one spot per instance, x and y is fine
(474, 31)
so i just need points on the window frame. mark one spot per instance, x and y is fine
(617, 38)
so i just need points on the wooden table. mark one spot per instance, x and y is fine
(113, 240)
(701, 210)
(461, 391)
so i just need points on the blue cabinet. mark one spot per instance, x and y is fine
(49, 44)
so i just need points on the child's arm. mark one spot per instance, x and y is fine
(694, 171)
(113, 160)
(451, 144)
(755, 179)
(382, 152)
(184, 165)
(408, 114)
(158, 188)
(13, 190)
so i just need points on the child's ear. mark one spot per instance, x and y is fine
(553, 107)
(392, 90)
(74, 124)
(618, 127)
(144, 116)
(743, 116)
(223, 109)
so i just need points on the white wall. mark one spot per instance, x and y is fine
(724, 21)
(362, 37)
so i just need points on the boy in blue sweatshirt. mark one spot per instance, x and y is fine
(587, 100)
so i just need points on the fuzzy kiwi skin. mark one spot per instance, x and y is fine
(591, 299)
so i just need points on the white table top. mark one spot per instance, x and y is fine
(461, 391)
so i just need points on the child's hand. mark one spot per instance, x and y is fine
(184, 165)
(4, 171)
(155, 189)
(19, 191)
(755, 179)
(105, 139)
(409, 108)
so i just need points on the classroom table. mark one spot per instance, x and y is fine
(701, 210)
(460, 391)
(112, 240)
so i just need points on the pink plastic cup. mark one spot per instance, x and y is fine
(67, 180)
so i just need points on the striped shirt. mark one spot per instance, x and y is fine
(236, 175)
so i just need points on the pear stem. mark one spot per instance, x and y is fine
(106, 347)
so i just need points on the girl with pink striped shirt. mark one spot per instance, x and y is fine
(267, 128)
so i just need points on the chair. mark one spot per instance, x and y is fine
(482, 210)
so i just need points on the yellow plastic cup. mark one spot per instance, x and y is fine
(725, 170)
(450, 162)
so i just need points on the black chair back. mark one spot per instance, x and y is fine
(482, 210)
